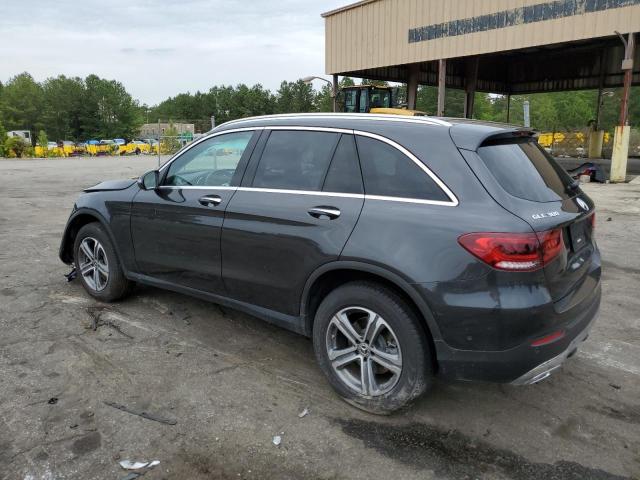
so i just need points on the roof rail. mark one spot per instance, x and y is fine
(359, 116)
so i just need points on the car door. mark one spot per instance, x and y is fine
(176, 227)
(294, 212)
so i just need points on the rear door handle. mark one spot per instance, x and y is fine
(330, 212)
(210, 200)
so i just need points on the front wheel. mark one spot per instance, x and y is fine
(372, 347)
(97, 264)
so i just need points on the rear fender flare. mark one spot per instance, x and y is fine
(399, 282)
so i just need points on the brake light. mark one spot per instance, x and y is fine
(515, 252)
(593, 221)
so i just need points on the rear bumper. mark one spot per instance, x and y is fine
(545, 369)
(523, 364)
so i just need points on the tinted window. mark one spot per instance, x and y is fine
(295, 160)
(364, 96)
(525, 170)
(344, 173)
(389, 172)
(211, 163)
(350, 100)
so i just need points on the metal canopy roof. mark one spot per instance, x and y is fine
(522, 46)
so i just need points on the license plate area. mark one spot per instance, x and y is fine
(578, 235)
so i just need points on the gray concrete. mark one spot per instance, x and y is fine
(231, 382)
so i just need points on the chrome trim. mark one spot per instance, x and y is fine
(544, 370)
(454, 201)
(207, 136)
(194, 187)
(333, 116)
(301, 192)
(332, 212)
(312, 129)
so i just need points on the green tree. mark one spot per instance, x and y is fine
(294, 97)
(108, 110)
(63, 110)
(15, 146)
(22, 102)
(3, 139)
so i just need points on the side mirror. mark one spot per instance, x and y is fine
(149, 181)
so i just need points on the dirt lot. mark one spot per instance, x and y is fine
(226, 383)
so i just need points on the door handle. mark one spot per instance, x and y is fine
(330, 212)
(210, 200)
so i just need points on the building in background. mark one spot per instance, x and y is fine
(508, 47)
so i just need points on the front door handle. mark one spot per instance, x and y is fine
(210, 200)
(329, 212)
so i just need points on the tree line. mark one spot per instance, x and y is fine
(73, 108)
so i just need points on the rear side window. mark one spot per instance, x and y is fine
(390, 173)
(526, 171)
(344, 173)
(295, 160)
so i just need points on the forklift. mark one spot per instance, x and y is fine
(374, 99)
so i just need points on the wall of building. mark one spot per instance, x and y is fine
(395, 32)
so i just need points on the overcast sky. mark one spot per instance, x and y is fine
(158, 48)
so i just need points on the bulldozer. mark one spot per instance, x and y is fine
(373, 99)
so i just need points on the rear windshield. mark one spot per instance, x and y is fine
(526, 171)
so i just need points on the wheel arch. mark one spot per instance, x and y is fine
(330, 276)
(79, 219)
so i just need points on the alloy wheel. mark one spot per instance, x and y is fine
(364, 351)
(93, 264)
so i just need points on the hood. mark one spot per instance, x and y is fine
(111, 185)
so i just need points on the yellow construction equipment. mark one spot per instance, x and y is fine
(373, 99)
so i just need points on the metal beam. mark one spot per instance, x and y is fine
(412, 86)
(470, 86)
(442, 81)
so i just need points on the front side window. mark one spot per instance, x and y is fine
(211, 163)
(388, 172)
(295, 160)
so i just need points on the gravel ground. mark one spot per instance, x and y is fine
(217, 385)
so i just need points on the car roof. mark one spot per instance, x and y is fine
(466, 134)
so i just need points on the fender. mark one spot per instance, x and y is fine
(373, 269)
(66, 248)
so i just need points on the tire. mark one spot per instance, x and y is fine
(111, 283)
(401, 339)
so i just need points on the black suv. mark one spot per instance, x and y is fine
(405, 247)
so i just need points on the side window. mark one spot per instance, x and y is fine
(390, 173)
(364, 97)
(350, 101)
(295, 160)
(211, 163)
(344, 173)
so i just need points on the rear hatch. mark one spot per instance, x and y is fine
(528, 182)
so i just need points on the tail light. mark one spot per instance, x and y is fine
(593, 221)
(515, 252)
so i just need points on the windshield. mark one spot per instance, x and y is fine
(380, 98)
(526, 171)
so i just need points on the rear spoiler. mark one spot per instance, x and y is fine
(471, 136)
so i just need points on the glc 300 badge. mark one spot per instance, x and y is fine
(538, 216)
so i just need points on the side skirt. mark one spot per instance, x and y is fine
(292, 323)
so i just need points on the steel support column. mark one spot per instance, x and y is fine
(471, 81)
(442, 79)
(412, 86)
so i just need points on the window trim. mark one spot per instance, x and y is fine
(453, 199)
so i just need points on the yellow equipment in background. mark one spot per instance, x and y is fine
(373, 99)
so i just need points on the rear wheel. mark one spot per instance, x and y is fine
(98, 266)
(371, 347)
